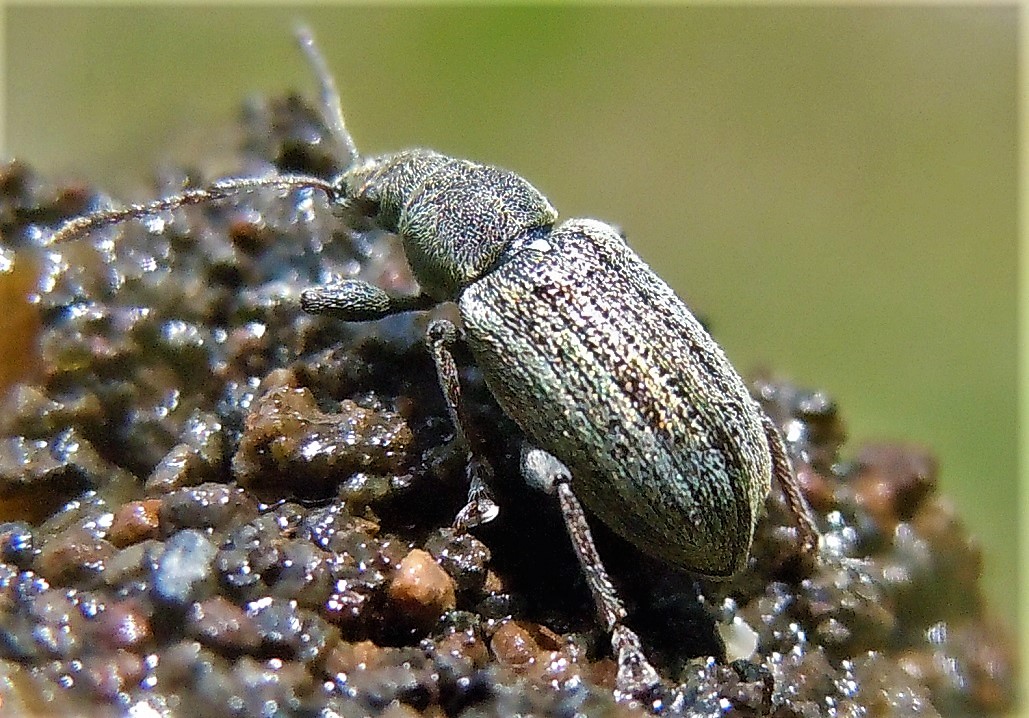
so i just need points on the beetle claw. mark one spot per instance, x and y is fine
(481, 508)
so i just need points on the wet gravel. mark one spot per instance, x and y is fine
(214, 504)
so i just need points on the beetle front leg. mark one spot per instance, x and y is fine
(636, 678)
(481, 508)
(355, 301)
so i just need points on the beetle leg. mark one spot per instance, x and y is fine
(636, 678)
(481, 508)
(355, 301)
(782, 469)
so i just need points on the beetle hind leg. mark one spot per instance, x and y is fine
(782, 470)
(636, 678)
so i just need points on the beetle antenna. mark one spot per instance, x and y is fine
(332, 107)
(215, 191)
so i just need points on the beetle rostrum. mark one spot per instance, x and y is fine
(625, 400)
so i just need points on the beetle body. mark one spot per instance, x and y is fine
(625, 400)
(668, 449)
(591, 353)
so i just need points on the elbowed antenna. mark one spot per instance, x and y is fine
(332, 116)
(332, 107)
(215, 191)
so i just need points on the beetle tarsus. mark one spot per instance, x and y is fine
(481, 508)
(636, 678)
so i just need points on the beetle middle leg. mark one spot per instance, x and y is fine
(357, 301)
(481, 508)
(636, 678)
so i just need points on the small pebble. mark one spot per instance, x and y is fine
(182, 572)
(134, 522)
(75, 555)
(894, 480)
(464, 557)
(536, 652)
(223, 626)
(421, 590)
(17, 545)
(208, 506)
(123, 624)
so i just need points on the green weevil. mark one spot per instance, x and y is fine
(625, 400)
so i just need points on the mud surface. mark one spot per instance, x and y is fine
(217, 505)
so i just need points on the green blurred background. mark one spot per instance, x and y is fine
(833, 189)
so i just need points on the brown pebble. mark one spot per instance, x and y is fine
(223, 626)
(345, 658)
(247, 348)
(815, 486)
(894, 480)
(58, 629)
(20, 321)
(957, 556)
(74, 555)
(464, 644)
(420, 589)
(110, 674)
(289, 444)
(371, 528)
(536, 652)
(123, 625)
(514, 646)
(396, 709)
(180, 468)
(248, 233)
(493, 584)
(134, 522)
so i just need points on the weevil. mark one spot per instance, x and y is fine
(625, 400)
